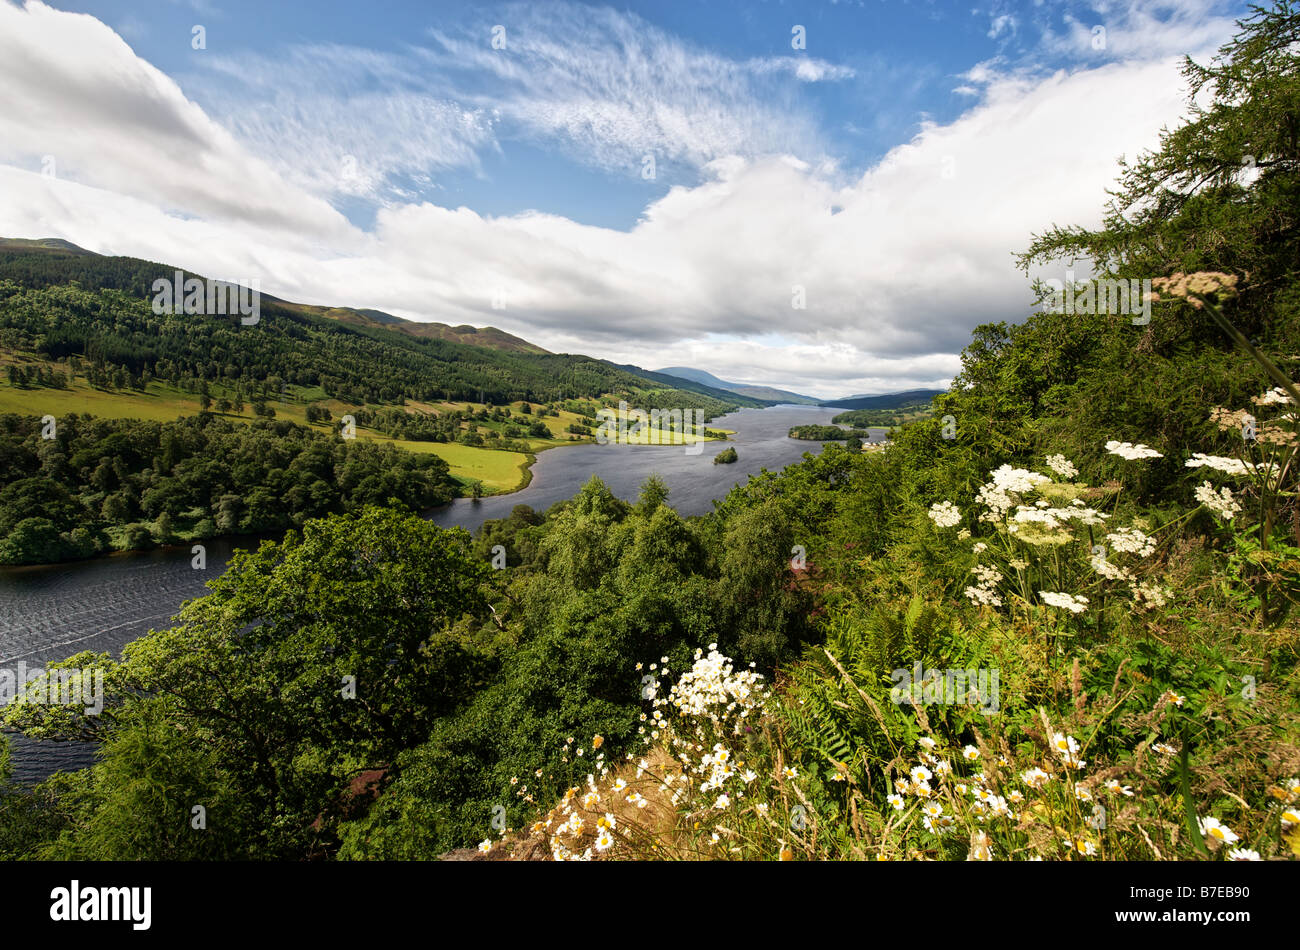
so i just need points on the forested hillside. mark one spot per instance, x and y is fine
(60, 305)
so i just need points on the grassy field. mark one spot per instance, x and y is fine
(495, 470)
(498, 471)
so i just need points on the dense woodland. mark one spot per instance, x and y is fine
(816, 433)
(1098, 528)
(105, 484)
(881, 418)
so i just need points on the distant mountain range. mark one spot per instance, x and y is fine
(741, 389)
(912, 397)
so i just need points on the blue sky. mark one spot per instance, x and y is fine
(903, 61)
(388, 155)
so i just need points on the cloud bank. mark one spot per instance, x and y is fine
(893, 264)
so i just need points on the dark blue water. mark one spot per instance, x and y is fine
(49, 613)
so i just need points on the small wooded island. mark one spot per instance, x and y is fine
(725, 457)
(816, 433)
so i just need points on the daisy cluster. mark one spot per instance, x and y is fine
(714, 703)
(574, 829)
(996, 805)
(931, 782)
(948, 803)
(714, 690)
(694, 769)
(1287, 798)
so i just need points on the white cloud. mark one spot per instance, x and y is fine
(1005, 23)
(1141, 29)
(897, 263)
(609, 86)
(344, 121)
(78, 101)
(604, 87)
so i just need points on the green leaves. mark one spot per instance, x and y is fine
(1190, 817)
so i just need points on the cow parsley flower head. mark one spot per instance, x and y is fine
(1132, 541)
(1220, 503)
(1191, 287)
(1274, 396)
(1128, 450)
(1018, 480)
(945, 514)
(1219, 464)
(1112, 572)
(1062, 466)
(1149, 595)
(1076, 604)
(997, 501)
(985, 592)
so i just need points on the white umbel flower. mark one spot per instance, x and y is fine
(1220, 503)
(945, 514)
(1062, 466)
(1127, 450)
(1075, 604)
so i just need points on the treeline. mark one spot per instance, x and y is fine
(881, 418)
(682, 399)
(816, 433)
(33, 376)
(103, 484)
(494, 427)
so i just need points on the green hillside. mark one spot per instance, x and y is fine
(57, 303)
(80, 343)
